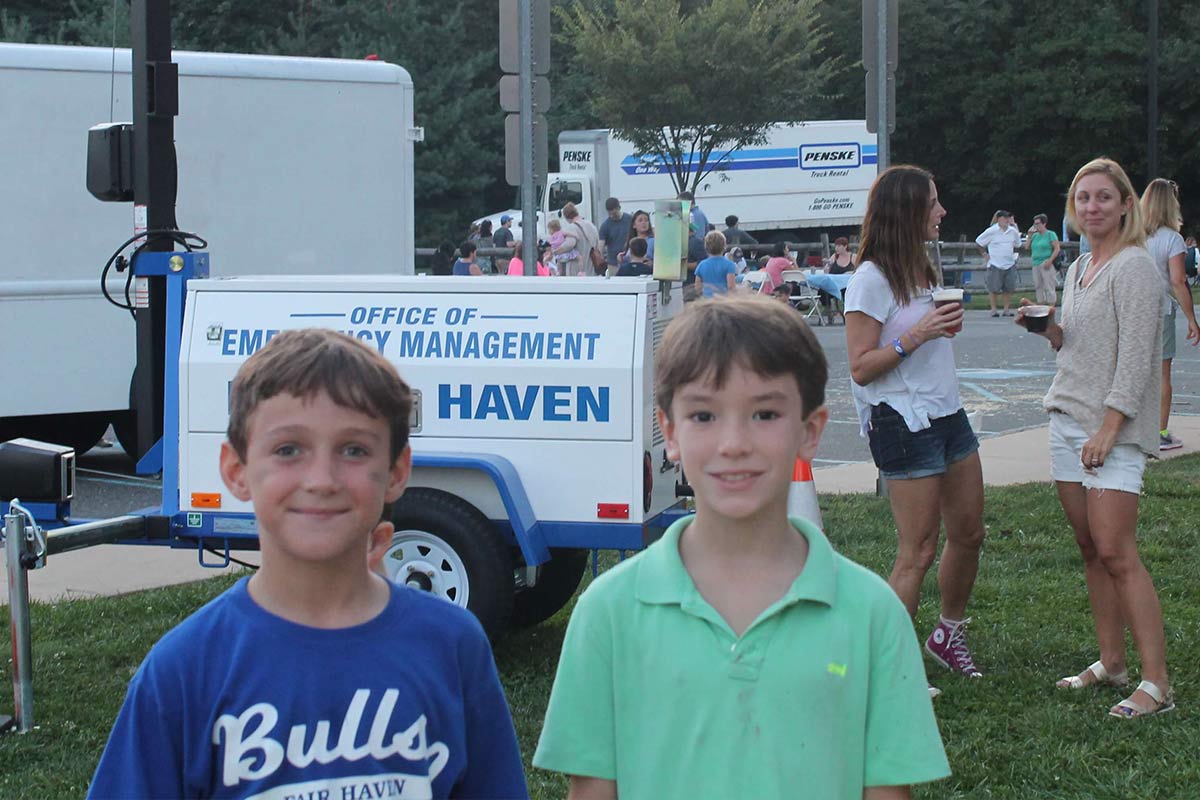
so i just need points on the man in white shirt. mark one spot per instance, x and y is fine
(999, 245)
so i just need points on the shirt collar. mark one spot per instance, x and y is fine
(663, 580)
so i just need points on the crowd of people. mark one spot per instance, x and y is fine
(710, 649)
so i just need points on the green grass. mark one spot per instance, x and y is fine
(1010, 735)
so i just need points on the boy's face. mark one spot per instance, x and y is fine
(739, 444)
(318, 474)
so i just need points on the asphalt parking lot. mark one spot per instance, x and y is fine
(1003, 373)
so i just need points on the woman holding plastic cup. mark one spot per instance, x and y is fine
(1104, 406)
(906, 393)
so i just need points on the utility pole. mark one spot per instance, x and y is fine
(525, 51)
(881, 56)
(155, 106)
(1151, 90)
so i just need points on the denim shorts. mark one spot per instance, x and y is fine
(1122, 470)
(901, 454)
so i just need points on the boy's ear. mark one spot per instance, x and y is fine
(399, 474)
(668, 430)
(381, 540)
(814, 426)
(233, 472)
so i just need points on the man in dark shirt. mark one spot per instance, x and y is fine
(614, 232)
(695, 253)
(503, 237)
(734, 234)
(466, 262)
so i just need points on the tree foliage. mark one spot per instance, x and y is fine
(683, 80)
(1002, 101)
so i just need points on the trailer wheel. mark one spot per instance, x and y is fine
(559, 578)
(445, 546)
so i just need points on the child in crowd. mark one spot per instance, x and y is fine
(316, 677)
(556, 237)
(740, 655)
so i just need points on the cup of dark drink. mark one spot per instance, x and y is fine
(1036, 318)
(945, 297)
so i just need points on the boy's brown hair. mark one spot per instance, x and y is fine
(311, 360)
(762, 335)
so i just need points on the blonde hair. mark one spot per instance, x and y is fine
(1131, 231)
(553, 224)
(714, 243)
(1160, 206)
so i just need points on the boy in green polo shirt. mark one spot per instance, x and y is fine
(740, 656)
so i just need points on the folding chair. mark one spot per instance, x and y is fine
(807, 299)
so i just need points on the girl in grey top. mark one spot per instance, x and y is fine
(1162, 218)
(1103, 408)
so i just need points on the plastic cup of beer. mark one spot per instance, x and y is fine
(1037, 318)
(945, 297)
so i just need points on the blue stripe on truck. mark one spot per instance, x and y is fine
(755, 158)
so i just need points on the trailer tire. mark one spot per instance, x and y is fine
(446, 546)
(557, 583)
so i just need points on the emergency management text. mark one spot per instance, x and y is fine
(433, 343)
(507, 345)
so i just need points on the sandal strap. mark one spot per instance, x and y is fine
(1156, 694)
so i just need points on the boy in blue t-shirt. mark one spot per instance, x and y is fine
(740, 655)
(316, 677)
(715, 274)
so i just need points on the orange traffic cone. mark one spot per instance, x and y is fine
(802, 495)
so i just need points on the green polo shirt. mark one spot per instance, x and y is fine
(823, 694)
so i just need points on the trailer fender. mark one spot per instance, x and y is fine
(503, 474)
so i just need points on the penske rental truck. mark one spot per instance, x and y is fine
(534, 432)
(285, 165)
(806, 175)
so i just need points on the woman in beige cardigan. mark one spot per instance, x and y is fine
(1103, 407)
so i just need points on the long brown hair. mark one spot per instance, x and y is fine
(893, 231)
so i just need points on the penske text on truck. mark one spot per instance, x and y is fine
(534, 433)
(806, 175)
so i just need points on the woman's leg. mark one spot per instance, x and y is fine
(1102, 594)
(915, 510)
(1112, 519)
(961, 505)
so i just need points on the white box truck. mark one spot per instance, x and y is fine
(286, 165)
(534, 433)
(806, 175)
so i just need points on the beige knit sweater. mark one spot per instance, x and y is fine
(1112, 348)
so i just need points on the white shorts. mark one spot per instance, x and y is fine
(1121, 471)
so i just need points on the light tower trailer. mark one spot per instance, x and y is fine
(534, 435)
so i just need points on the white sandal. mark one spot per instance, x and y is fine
(1119, 680)
(1128, 709)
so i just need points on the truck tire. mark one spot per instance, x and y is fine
(559, 578)
(446, 546)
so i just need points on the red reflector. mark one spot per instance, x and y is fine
(612, 510)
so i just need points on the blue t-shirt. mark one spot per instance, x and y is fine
(462, 267)
(236, 702)
(712, 271)
(615, 234)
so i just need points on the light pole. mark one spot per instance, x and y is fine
(1152, 90)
